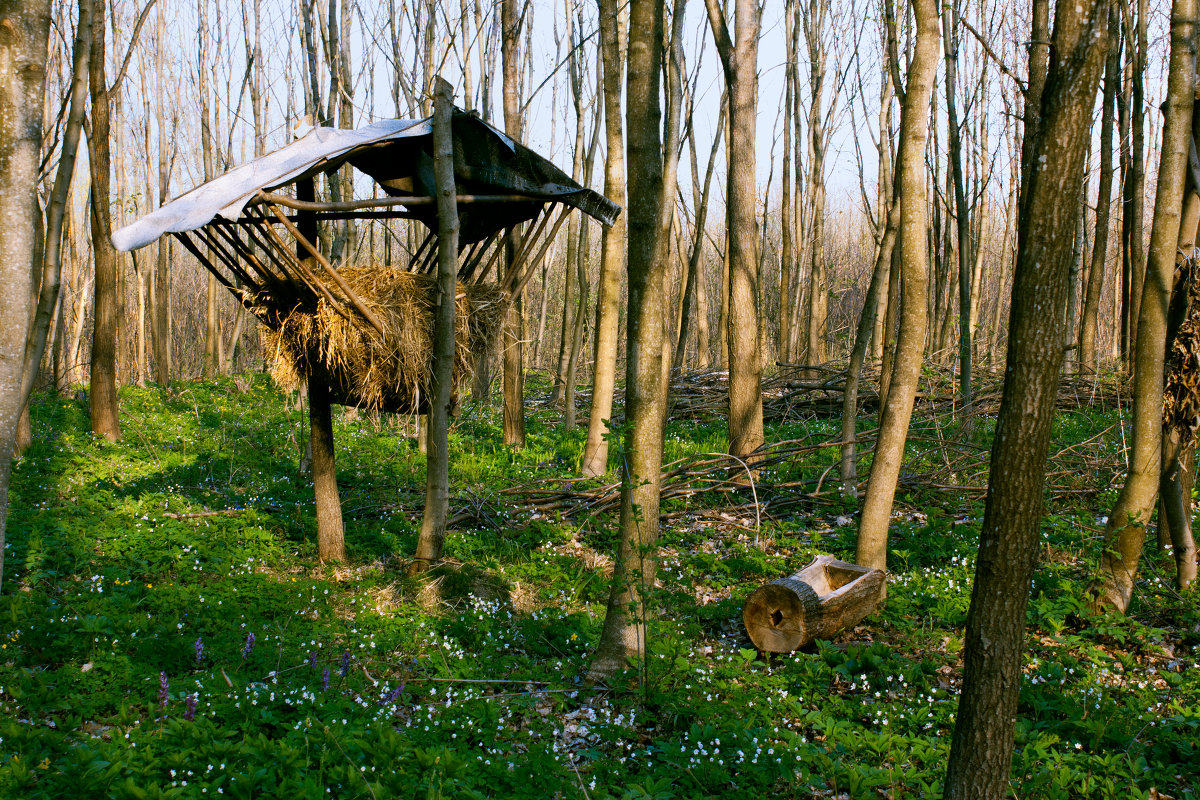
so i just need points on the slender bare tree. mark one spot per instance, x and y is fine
(437, 478)
(624, 634)
(910, 343)
(1125, 532)
(23, 57)
(739, 60)
(612, 247)
(981, 751)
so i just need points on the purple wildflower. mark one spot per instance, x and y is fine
(393, 695)
(312, 659)
(190, 713)
(249, 646)
(325, 679)
(164, 690)
(199, 650)
(345, 664)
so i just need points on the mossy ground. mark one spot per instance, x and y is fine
(168, 631)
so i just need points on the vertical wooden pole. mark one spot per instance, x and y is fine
(331, 537)
(437, 470)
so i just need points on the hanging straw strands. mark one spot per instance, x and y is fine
(366, 330)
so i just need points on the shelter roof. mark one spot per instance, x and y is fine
(397, 154)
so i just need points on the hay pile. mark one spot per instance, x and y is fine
(387, 372)
(1181, 392)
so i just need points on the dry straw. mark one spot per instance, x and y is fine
(386, 371)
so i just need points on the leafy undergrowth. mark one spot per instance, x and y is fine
(168, 631)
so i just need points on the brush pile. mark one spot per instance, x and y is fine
(363, 367)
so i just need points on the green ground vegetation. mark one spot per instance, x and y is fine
(168, 632)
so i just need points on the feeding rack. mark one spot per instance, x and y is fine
(365, 331)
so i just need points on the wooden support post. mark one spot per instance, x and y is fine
(437, 470)
(331, 538)
(814, 603)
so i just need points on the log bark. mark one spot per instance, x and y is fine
(825, 597)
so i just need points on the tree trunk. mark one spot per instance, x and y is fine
(910, 342)
(51, 267)
(818, 290)
(160, 323)
(330, 532)
(612, 254)
(1091, 302)
(1126, 529)
(740, 59)
(103, 395)
(212, 320)
(950, 23)
(694, 287)
(981, 751)
(862, 337)
(437, 469)
(23, 56)
(624, 634)
(511, 337)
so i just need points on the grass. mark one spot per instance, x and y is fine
(168, 631)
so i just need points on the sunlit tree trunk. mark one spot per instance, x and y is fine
(1126, 529)
(212, 320)
(624, 634)
(23, 56)
(981, 750)
(1091, 302)
(612, 248)
(103, 395)
(48, 299)
(511, 338)
(950, 14)
(739, 58)
(914, 267)
(437, 477)
(818, 291)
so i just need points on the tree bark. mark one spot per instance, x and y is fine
(103, 395)
(24, 36)
(981, 751)
(910, 342)
(950, 19)
(818, 290)
(330, 531)
(739, 58)
(624, 634)
(437, 469)
(51, 267)
(862, 337)
(511, 337)
(1089, 318)
(612, 249)
(1125, 531)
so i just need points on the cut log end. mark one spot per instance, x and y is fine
(814, 603)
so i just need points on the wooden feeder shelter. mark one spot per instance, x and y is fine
(365, 331)
(364, 335)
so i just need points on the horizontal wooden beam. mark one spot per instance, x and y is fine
(387, 202)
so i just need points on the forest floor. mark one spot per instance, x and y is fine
(168, 631)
